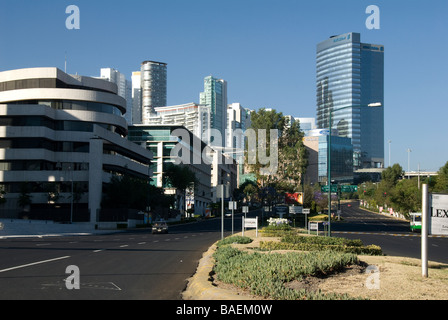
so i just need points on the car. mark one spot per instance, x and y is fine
(160, 227)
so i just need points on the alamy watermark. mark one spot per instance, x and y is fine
(192, 152)
(373, 280)
(73, 281)
(373, 21)
(73, 21)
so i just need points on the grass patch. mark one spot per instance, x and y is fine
(265, 275)
(234, 239)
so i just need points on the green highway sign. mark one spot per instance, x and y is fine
(334, 188)
(349, 188)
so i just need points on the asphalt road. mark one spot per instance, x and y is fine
(391, 234)
(138, 265)
(123, 266)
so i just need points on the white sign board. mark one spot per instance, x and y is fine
(438, 214)
(250, 223)
(245, 209)
(295, 209)
(306, 211)
(313, 226)
(233, 205)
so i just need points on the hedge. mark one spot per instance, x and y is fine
(364, 250)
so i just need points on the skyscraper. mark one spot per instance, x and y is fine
(136, 97)
(124, 88)
(350, 76)
(154, 87)
(215, 97)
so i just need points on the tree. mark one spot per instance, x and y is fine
(292, 155)
(442, 179)
(392, 174)
(181, 178)
(126, 192)
(2, 195)
(293, 158)
(25, 197)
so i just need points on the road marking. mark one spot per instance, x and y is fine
(124, 246)
(43, 244)
(99, 250)
(142, 243)
(33, 264)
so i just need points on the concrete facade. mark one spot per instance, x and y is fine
(61, 130)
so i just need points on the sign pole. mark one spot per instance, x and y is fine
(424, 235)
(222, 211)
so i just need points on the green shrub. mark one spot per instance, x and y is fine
(265, 275)
(235, 239)
(322, 240)
(364, 250)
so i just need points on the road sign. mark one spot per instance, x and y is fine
(349, 188)
(233, 205)
(334, 188)
(295, 209)
(245, 209)
(343, 188)
(438, 214)
(250, 223)
(306, 211)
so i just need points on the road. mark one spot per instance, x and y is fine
(121, 266)
(391, 234)
(137, 265)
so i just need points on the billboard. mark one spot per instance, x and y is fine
(294, 198)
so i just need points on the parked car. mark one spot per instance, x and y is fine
(160, 227)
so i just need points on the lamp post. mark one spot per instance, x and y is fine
(371, 105)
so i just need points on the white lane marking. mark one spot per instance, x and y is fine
(33, 264)
(124, 246)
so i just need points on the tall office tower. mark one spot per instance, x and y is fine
(215, 96)
(238, 120)
(124, 88)
(136, 98)
(153, 84)
(350, 77)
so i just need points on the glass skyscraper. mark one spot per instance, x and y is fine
(153, 87)
(215, 96)
(350, 76)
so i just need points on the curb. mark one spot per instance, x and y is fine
(200, 286)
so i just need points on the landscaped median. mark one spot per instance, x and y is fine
(282, 263)
(258, 272)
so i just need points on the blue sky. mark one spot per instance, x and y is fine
(264, 49)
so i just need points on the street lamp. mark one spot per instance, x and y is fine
(371, 105)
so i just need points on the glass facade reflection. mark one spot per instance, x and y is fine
(341, 159)
(350, 76)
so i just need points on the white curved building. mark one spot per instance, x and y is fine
(59, 130)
